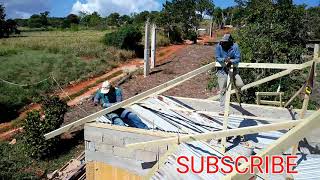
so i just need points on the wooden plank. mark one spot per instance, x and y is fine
(156, 90)
(256, 83)
(283, 143)
(267, 79)
(295, 95)
(216, 114)
(266, 65)
(226, 109)
(269, 93)
(276, 103)
(218, 134)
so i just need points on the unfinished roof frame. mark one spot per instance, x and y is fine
(289, 139)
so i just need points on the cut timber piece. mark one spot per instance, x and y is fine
(269, 93)
(217, 134)
(156, 90)
(266, 65)
(267, 79)
(226, 109)
(282, 144)
(276, 103)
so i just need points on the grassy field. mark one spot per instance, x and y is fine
(68, 56)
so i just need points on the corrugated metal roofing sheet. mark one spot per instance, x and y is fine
(157, 113)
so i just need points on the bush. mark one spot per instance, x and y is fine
(175, 35)
(126, 37)
(192, 36)
(36, 127)
(162, 40)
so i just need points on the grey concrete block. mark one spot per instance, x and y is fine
(92, 134)
(123, 152)
(104, 148)
(90, 146)
(146, 156)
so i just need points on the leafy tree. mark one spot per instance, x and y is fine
(127, 37)
(69, 20)
(273, 33)
(3, 29)
(90, 20)
(205, 7)
(44, 18)
(113, 19)
(313, 22)
(36, 126)
(125, 19)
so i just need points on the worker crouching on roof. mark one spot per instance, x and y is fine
(227, 54)
(107, 96)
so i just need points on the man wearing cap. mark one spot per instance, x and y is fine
(227, 54)
(107, 96)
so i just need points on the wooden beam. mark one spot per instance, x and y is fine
(276, 103)
(156, 90)
(295, 95)
(218, 134)
(269, 93)
(216, 114)
(283, 143)
(226, 109)
(267, 79)
(266, 65)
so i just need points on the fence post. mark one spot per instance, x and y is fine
(147, 49)
(316, 56)
(153, 45)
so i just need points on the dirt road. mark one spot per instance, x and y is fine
(185, 60)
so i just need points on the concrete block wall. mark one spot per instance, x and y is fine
(108, 146)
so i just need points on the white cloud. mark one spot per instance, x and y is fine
(105, 7)
(24, 8)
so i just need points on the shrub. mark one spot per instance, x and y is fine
(36, 127)
(192, 36)
(126, 37)
(162, 40)
(175, 35)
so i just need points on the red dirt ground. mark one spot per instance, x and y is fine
(187, 59)
(162, 54)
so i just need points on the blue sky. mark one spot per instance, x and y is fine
(61, 8)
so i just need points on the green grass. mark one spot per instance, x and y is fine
(69, 56)
(15, 164)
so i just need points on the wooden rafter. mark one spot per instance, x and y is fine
(283, 143)
(218, 134)
(156, 90)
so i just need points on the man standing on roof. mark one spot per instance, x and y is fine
(227, 54)
(107, 96)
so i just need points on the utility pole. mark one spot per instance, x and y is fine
(147, 49)
(153, 45)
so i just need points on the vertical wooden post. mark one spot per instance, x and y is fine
(147, 49)
(153, 45)
(226, 109)
(307, 95)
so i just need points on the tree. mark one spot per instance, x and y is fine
(70, 19)
(125, 19)
(3, 29)
(273, 33)
(205, 7)
(44, 18)
(113, 19)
